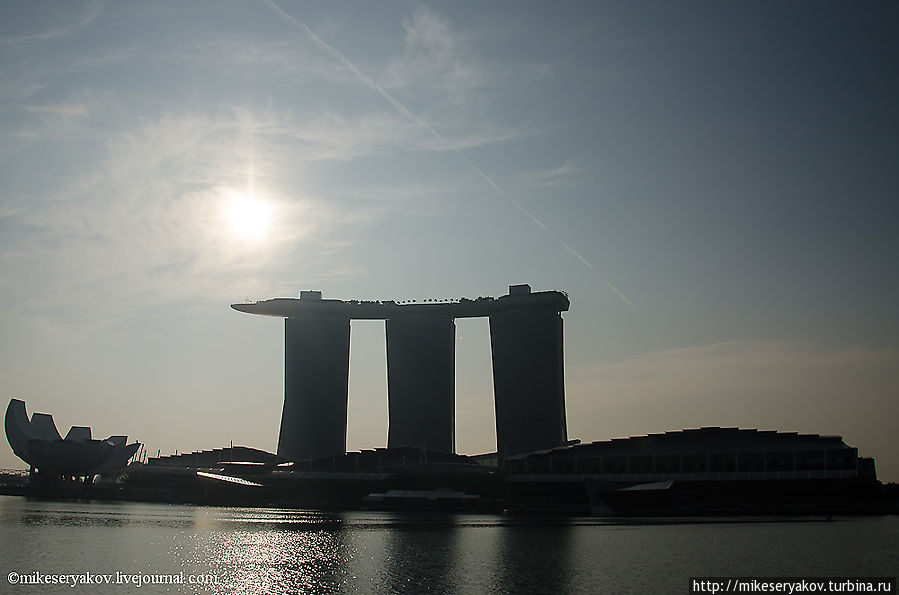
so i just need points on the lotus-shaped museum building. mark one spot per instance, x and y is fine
(38, 443)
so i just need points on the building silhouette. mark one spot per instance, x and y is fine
(38, 442)
(421, 383)
(527, 356)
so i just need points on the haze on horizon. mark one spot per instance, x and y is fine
(714, 185)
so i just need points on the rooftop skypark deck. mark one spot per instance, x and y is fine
(520, 297)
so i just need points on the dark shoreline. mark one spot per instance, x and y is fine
(699, 501)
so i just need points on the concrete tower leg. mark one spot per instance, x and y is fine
(421, 381)
(316, 379)
(528, 380)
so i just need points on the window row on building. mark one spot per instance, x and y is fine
(573, 461)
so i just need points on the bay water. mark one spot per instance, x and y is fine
(149, 548)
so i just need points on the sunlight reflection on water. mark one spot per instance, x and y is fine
(288, 551)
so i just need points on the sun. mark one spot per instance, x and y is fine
(249, 216)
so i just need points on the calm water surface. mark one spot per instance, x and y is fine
(250, 550)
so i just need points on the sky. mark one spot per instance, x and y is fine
(713, 184)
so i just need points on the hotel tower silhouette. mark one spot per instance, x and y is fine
(528, 371)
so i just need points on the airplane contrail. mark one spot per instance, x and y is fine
(421, 122)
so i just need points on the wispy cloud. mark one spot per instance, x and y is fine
(149, 217)
(63, 109)
(87, 15)
(49, 121)
(434, 57)
(145, 217)
(429, 26)
(231, 54)
(557, 176)
(139, 206)
(410, 197)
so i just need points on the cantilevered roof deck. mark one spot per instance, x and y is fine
(380, 310)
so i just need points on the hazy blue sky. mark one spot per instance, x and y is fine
(714, 184)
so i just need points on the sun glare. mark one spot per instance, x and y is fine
(249, 217)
